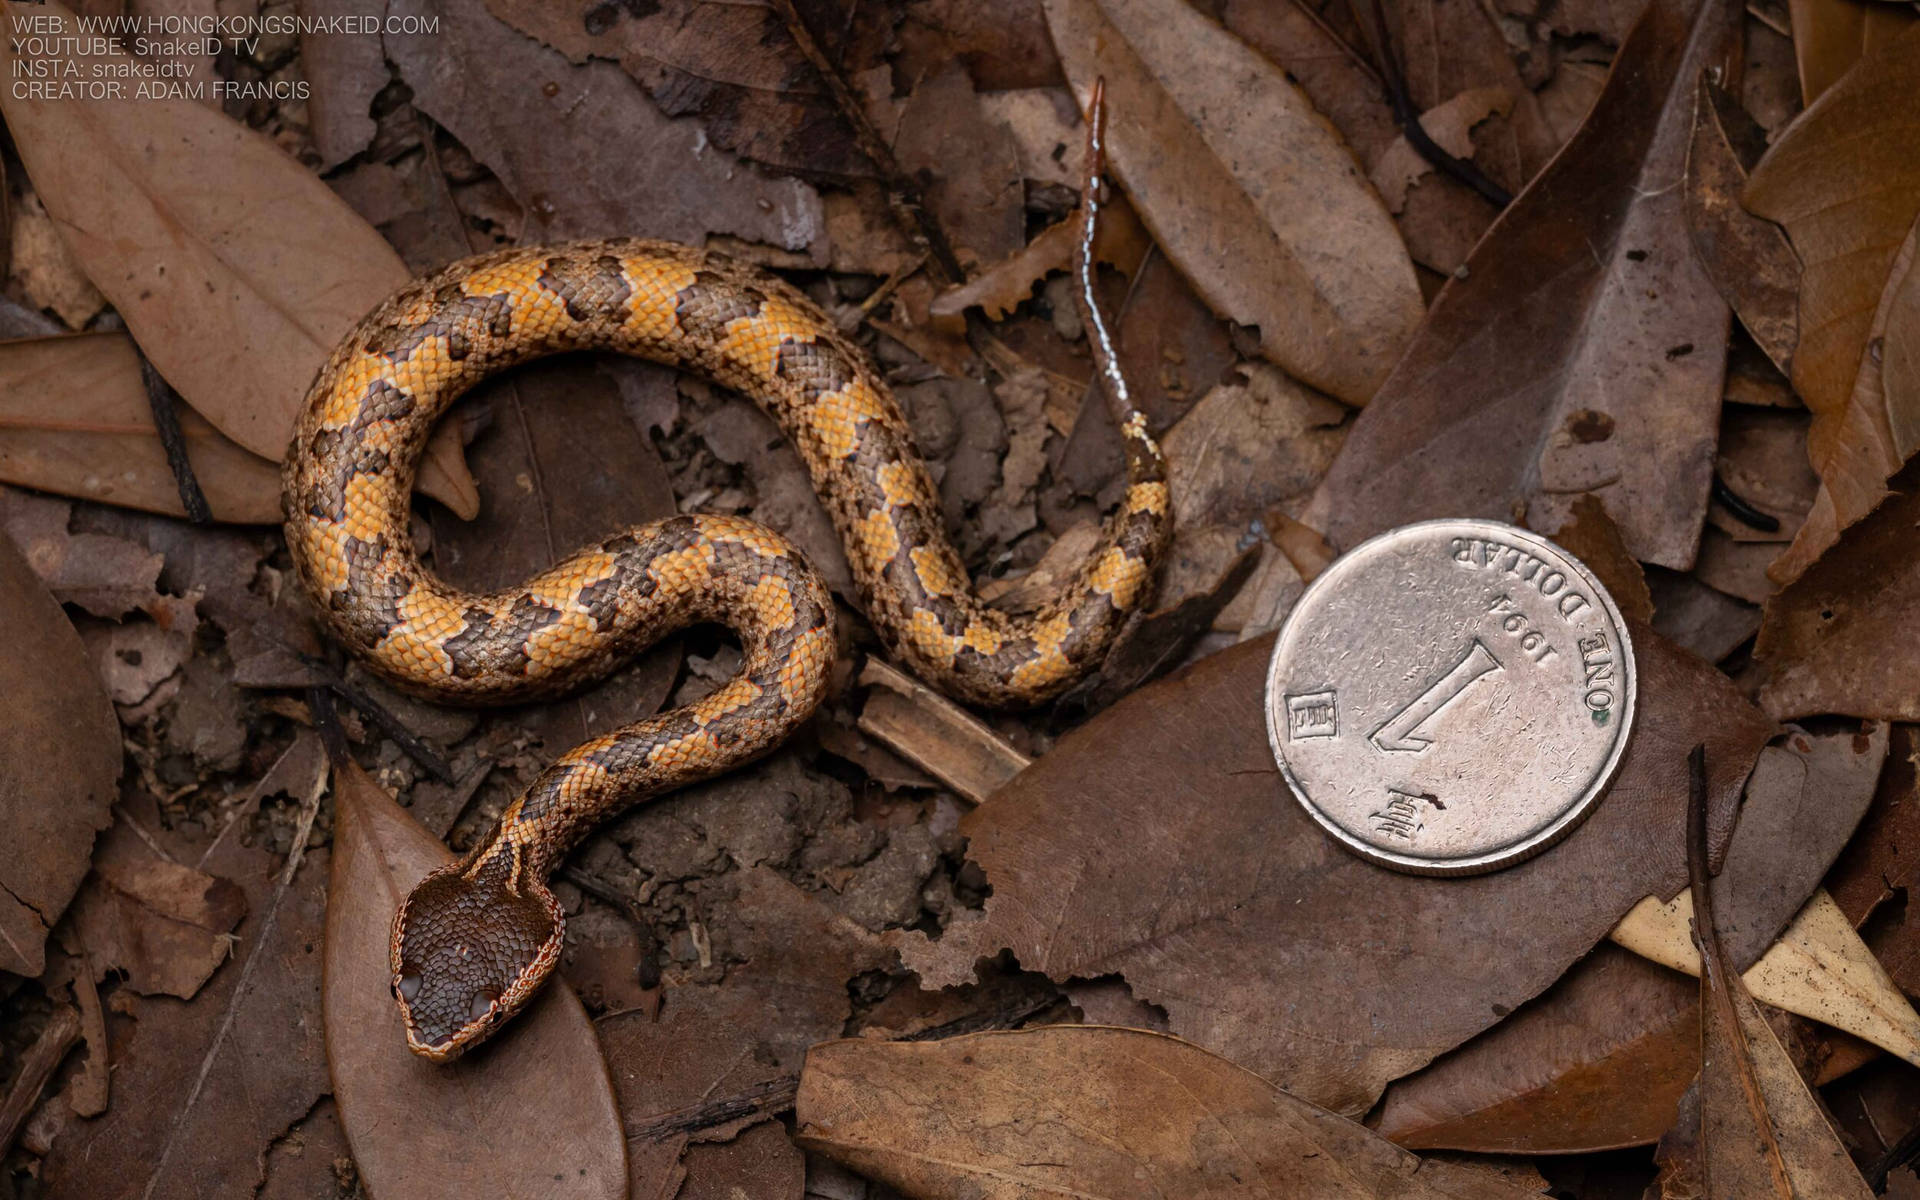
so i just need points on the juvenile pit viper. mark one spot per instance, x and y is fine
(476, 939)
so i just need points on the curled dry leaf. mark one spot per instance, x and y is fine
(1096, 1112)
(1844, 180)
(1750, 259)
(59, 763)
(237, 293)
(1761, 1134)
(1247, 188)
(536, 1108)
(1120, 241)
(1264, 940)
(1838, 638)
(1582, 350)
(75, 419)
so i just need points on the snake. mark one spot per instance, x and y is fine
(476, 939)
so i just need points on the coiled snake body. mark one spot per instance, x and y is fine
(476, 939)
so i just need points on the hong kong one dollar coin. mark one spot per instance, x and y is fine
(1451, 697)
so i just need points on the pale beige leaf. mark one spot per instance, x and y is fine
(1093, 1112)
(236, 269)
(1248, 188)
(75, 419)
(1819, 969)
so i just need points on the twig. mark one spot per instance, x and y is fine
(761, 1100)
(1404, 115)
(910, 207)
(1898, 1155)
(1746, 513)
(37, 1066)
(377, 713)
(161, 398)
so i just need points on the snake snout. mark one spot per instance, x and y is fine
(469, 950)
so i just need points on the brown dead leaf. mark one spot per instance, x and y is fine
(1881, 866)
(1749, 259)
(74, 419)
(237, 293)
(545, 126)
(1830, 36)
(1262, 939)
(719, 1060)
(165, 925)
(59, 763)
(732, 66)
(535, 1109)
(1095, 1112)
(1450, 125)
(1120, 241)
(1601, 1059)
(1838, 638)
(1844, 180)
(1761, 1134)
(560, 466)
(1583, 349)
(968, 165)
(1248, 189)
(202, 1090)
(1593, 538)
(345, 71)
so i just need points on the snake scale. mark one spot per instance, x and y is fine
(476, 939)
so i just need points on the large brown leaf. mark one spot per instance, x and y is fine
(75, 419)
(583, 149)
(535, 1108)
(1583, 347)
(1845, 181)
(1095, 1112)
(59, 762)
(1839, 639)
(1248, 189)
(1601, 1059)
(1829, 36)
(1159, 842)
(237, 291)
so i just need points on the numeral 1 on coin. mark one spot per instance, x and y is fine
(1401, 733)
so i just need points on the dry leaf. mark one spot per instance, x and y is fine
(1261, 938)
(1095, 1112)
(535, 1109)
(1450, 125)
(1248, 189)
(1838, 638)
(59, 763)
(201, 1090)
(1601, 1059)
(1844, 180)
(237, 292)
(1583, 349)
(1750, 259)
(550, 144)
(165, 925)
(1120, 241)
(75, 419)
(1829, 36)
(1761, 1132)
(1881, 865)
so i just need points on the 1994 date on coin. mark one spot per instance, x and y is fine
(1451, 697)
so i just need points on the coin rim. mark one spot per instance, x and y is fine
(1545, 838)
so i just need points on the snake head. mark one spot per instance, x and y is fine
(471, 945)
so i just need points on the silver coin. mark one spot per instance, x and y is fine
(1451, 697)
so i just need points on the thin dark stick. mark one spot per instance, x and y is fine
(161, 398)
(909, 206)
(388, 724)
(1746, 513)
(1401, 101)
(37, 1066)
(332, 738)
(1898, 1155)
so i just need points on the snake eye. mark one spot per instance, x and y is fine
(481, 1003)
(409, 985)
